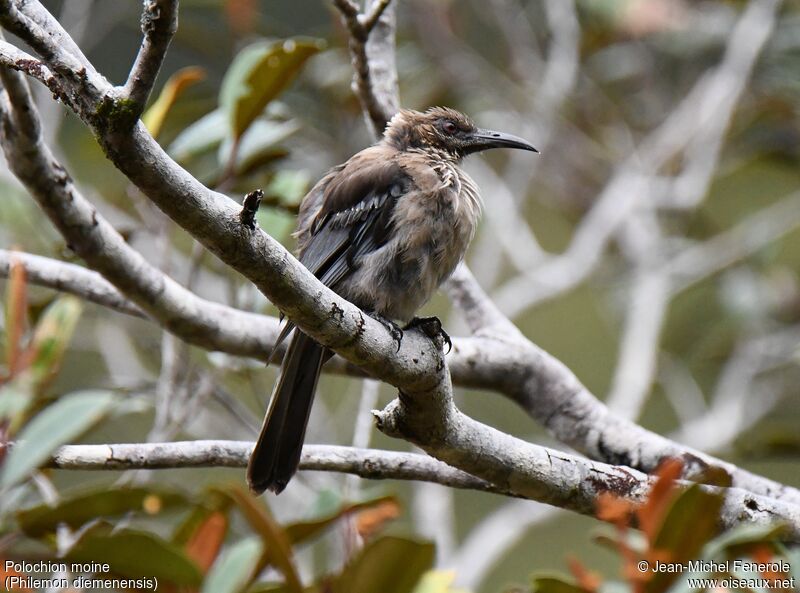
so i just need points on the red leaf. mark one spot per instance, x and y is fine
(205, 543)
(587, 580)
(651, 513)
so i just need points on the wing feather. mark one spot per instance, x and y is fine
(353, 220)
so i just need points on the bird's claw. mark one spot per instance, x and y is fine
(395, 330)
(431, 327)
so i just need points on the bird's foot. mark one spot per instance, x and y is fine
(394, 329)
(431, 327)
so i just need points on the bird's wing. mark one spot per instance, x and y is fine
(346, 215)
(354, 219)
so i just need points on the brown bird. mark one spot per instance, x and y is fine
(383, 230)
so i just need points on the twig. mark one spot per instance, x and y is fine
(37, 27)
(367, 463)
(642, 243)
(250, 206)
(69, 278)
(17, 59)
(739, 399)
(556, 478)
(159, 23)
(494, 537)
(377, 93)
(348, 8)
(369, 21)
(755, 232)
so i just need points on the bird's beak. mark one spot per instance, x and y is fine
(486, 139)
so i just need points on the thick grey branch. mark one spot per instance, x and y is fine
(200, 322)
(213, 218)
(196, 320)
(554, 396)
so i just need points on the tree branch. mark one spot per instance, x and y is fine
(17, 59)
(159, 23)
(206, 324)
(372, 464)
(213, 218)
(31, 22)
(368, 21)
(69, 278)
(373, 57)
(551, 476)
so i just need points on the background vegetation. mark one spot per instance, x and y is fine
(598, 86)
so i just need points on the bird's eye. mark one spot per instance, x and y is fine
(450, 127)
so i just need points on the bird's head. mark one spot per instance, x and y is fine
(446, 130)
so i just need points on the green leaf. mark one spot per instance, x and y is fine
(15, 399)
(52, 335)
(57, 424)
(234, 568)
(692, 520)
(278, 550)
(375, 569)
(258, 74)
(258, 144)
(203, 135)
(137, 554)
(276, 223)
(438, 581)
(302, 531)
(289, 186)
(553, 584)
(740, 539)
(155, 115)
(81, 508)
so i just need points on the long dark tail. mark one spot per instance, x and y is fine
(277, 452)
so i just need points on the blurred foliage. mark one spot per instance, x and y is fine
(211, 551)
(678, 526)
(257, 94)
(32, 359)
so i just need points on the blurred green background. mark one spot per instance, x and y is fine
(588, 83)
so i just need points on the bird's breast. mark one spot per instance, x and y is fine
(432, 224)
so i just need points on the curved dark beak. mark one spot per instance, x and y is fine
(486, 139)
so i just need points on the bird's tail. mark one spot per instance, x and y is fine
(277, 452)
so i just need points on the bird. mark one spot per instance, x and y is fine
(383, 230)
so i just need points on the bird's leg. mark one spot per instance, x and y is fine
(432, 327)
(394, 329)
